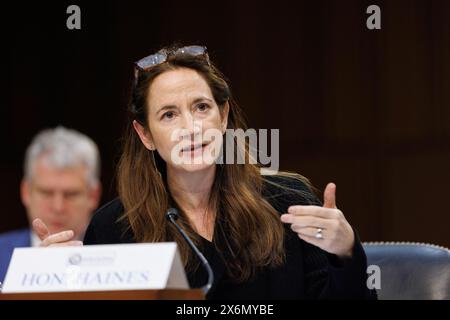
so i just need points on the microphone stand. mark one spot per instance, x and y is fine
(172, 215)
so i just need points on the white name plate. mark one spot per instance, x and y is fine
(96, 268)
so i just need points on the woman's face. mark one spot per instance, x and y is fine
(186, 125)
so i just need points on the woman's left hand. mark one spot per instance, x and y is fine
(324, 227)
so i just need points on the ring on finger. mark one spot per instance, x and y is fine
(319, 234)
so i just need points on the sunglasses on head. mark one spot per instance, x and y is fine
(161, 56)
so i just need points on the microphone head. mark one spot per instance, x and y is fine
(172, 213)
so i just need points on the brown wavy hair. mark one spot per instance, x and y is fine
(254, 232)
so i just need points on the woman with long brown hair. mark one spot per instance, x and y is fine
(265, 236)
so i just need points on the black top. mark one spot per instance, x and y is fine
(308, 273)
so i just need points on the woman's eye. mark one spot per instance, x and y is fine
(202, 107)
(168, 115)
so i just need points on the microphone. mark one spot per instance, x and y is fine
(172, 215)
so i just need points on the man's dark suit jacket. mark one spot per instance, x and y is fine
(8, 242)
(309, 272)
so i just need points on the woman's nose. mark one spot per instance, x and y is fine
(191, 126)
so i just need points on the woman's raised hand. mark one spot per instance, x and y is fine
(324, 227)
(60, 239)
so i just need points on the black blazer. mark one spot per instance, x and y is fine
(309, 272)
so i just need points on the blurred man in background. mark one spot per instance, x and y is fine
(61, 186)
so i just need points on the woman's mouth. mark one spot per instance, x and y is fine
(195, 149)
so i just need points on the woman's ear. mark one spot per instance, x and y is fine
(225, 111)
(144, 135)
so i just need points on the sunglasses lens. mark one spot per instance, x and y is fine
(192, 50)
(151, 60)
